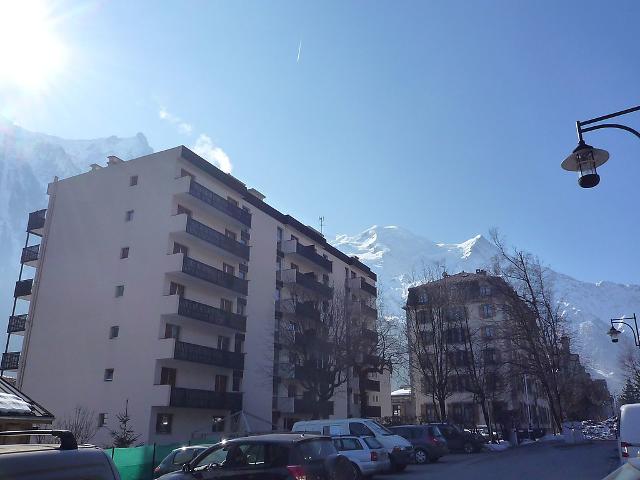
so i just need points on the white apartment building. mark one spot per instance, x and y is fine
(156, 282)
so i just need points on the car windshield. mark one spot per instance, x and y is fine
(377, 428)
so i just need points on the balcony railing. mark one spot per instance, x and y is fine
(311, 372)
(207, 355)
(307, 280)
(17, 323)
(30, 254)
(222, 204)
(209, 235)
(10, 361)
(370, 289)
(216, 316)
(193, 398)
(309, 252)
(371, 385)
(307, 309)
(370, 335)
(23, 288)
(213, 275)
(310, 340)
(311, 406)
(36, 221)
(372, 411)
(369, 311)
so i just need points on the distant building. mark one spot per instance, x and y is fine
(19, 412)
(402, 404)
(165, 281)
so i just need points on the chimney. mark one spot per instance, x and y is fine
(95, 166)
(256, 193)
(113, 160)
(480, 271)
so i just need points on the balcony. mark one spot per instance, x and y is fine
(359, 283)
(210, 274)
(306, 253)
(35, 225)
(10, 361)
(284, 404)
(207, 399)
(29, 255)
(215, 316)
(23, 289)
(370, 335)
(371, 385)
(306, 281)
(372, 411)
(311, 373)
(209, 356)
(186, 228)
(17, 324)
(219, 205)
(310, 340)
(284, 370)
(311, 406)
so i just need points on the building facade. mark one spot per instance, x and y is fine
(470, 314)
(162, 281)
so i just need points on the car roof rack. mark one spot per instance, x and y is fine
(67, 440)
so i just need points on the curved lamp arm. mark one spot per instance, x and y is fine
(611, 125)
(634, 329)
(581, 130)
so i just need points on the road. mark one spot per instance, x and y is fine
(544, 461)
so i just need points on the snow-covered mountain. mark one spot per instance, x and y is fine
(399, 258)
(28, 162)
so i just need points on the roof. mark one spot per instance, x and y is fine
(36, 411)
(401, 391)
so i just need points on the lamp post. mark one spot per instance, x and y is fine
(585, 159)
(614, 333)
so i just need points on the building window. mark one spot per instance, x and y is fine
(176, 289)
(171, 331)
(184, 210)
(240, 308)
(325, 278)
(230, 234)
(220, 383)
(280, 234)
(489, 331)
(291, 391)
(226, 305)
(108, 374)
(239, 340)
(423, 297)
(102, 419)
(128, 216)
(163, 422)
(119, 290)
(226, 268)
(124, 252)
(237, 381)
(353, 274)
(224, 343)
(179, 248)
(485, 290)
(168, 376)
(232, 201)
(133, 180)
(114, 331)
(487, 310)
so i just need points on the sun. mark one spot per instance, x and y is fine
(31, 55)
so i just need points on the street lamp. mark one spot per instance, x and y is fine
(614, 333)
(585, 159)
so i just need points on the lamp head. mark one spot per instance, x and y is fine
(585, 159)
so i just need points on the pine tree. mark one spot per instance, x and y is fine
(631, 391)
(125, 436)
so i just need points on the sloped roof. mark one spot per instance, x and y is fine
(36, 411)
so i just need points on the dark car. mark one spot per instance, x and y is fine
(427, 441)
(280, 456)
(177, 458)
(460, 440)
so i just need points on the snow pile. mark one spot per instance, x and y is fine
(13, 404)
(498, 447)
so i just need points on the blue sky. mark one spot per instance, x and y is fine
(446, 118)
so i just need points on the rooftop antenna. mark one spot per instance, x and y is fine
(321, 224)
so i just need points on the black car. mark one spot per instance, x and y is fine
(282, 456)
(427, 441)
(460, 440)
(177, 458)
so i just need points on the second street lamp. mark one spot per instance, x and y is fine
(614, 333)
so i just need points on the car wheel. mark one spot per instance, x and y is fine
(422, 456)
(357, 472)
(468, 447)
(345, 470)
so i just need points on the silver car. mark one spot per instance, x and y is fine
(367, 454)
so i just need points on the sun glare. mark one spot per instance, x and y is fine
(30, 53)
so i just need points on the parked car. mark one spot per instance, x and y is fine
(367, 454)
(427, 441)
(64, 461)
(177, 458)
(630, 470)
(399, 449)
(278, 456)
(629, 436)
(460, 440)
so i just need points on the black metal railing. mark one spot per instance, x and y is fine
(312, 340)
(10, 361)
(36, 220)
(372, 290)
(372, 411)
(311, 372)
(207, 355)
(23, 288)
(216, 201)
(309, 252)
(308, 280)
(213, 315)
(308, 309)
(209, 235)
(194, 398)
(213, 275)
(29, 254)
(17, 323)
(311, 406)
(369, 311)
(370, 335)
(371, 385)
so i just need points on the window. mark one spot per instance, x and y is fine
(237, 382)
(240, 308)
(102, 419)
(128, 216)
(224, 343)
(230, 234)
(353, 274)
(317, 449)
(133, 180)
(372, 442)
(114, 331)
(350, 444)
(280, 234)
(221, 383)
(357, 428)
(184, 210)
(176, 289)
(291, 391)
(108, 374)
(119, 290)
(226, 305)
(226, 268)
(171, 331)
(124, 252)
(485, 290)
(185, 455)
(163, 422)
(487, 310)
(168, 376)
(232, 201)
(423, 297)
(179, 248)
(325, 278)
(489, 331)
(239, 340)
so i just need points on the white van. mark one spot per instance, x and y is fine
(629, 426)
(400, 450)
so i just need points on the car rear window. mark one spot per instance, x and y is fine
(372, 442)
(183, 456)
(316, 449)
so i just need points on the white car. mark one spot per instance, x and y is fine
(629, 438)
(367, 454)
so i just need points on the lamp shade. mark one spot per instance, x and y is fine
(585, 159)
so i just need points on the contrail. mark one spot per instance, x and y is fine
(299, 50)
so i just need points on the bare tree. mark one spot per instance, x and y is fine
(82, 422)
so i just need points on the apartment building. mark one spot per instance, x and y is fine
(161, 281)
(472, 305)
